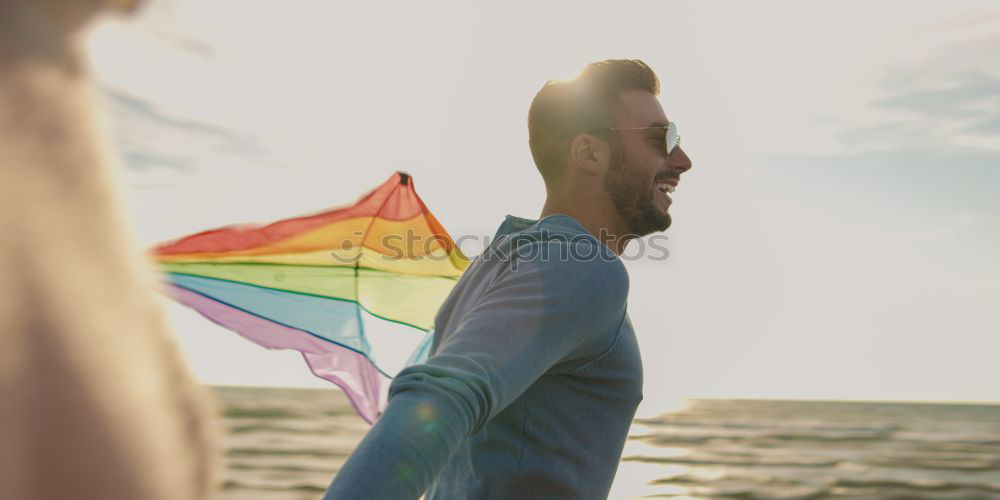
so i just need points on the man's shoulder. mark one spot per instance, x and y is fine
(553, 235)
(557, 253)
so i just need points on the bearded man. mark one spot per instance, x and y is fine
(534, 374)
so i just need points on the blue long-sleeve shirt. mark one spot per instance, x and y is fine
(532, 382)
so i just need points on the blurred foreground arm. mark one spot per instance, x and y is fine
(96, 401)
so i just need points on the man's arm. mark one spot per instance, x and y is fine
(537, 314)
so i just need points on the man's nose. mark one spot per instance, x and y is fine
(679, 160)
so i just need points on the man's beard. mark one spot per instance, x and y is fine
(632, 196)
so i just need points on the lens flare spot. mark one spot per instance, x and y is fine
(405, 473)
(426, 412)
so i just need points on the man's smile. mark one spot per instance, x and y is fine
(662, 189)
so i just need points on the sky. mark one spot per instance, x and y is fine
(835, 239)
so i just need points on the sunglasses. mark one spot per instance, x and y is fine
(670, 137)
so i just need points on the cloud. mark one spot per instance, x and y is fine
(936, 113)
(139, 106)
(923, 194)
(148, 138)
(188, 44)
(139, 160)
(964, 99)
(987, 127)
(947, 99)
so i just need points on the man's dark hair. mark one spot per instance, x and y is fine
(591, 101)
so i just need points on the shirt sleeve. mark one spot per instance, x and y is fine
(542, 309)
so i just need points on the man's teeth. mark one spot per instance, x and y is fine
(665, 188)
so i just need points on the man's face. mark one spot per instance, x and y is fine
(639, 164)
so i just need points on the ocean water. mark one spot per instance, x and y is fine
(288, 443)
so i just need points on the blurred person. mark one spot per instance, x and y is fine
(97, 402)
(534, 374)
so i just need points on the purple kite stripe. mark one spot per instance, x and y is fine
(350, 370)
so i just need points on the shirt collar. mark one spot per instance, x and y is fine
(513, 224)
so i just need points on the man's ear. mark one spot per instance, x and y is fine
(589, 154)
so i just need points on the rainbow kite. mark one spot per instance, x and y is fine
(355, 289)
